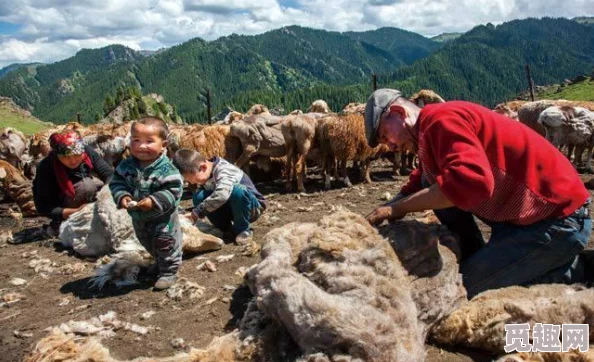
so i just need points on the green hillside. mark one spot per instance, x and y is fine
(278, 61)
(292, 66)
(13, 116)
(578, 91)
(486, 64)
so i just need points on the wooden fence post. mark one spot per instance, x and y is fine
(530, 82)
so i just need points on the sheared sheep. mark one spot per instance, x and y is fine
(570, 126)
(100, 227)
(259, 136)
(110, 148)
(17, 188)
(343, 139)
(529, 112)
(13, 145)
(480, 323)
(299, 134)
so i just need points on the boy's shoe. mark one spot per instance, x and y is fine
(244, 237)
(165, 282)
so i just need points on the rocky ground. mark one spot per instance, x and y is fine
(56, 289)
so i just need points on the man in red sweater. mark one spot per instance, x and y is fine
(476, 163)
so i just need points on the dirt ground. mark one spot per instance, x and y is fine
(63, 296)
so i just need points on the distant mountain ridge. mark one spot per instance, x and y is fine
(281, 60)
(292, 66)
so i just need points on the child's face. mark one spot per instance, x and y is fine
(199, 177)
(145, 143)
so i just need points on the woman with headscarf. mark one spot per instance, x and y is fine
(68, 178)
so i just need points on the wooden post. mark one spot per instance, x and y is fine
(374, 78)
(78, 117)
(208, 110)
(530, 82)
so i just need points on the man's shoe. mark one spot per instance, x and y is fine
(165, 282)
(244, 237)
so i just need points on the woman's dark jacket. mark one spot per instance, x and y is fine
(47, 194)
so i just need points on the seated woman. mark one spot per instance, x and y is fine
(66, 179)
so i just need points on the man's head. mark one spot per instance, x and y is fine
(194, 167)
(148, 138)
(389, 119)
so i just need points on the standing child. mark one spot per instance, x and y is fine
(227, 196)
(150, 188)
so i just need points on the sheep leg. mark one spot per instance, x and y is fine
(243, 162)
(289, 165)
(403, 160)
(343, 173)
(365, 171)
(329, 164)
(577, 159)
(300, 166)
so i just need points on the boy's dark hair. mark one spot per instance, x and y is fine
(158, 123)
(186, 160)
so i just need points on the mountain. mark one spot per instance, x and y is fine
(13, 116)
(10, 68)
(446, 37)
(403, 45)
(585, 20)
(277, 61)
(486, 64)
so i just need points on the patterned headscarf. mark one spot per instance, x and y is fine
(67, 143)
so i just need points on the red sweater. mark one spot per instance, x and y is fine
(496, 168)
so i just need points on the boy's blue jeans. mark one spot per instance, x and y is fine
(242, 208)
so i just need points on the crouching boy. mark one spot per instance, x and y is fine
(150, 188)
(226, 195)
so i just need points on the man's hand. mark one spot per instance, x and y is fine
(379, 215)
(145, 204)
(125, 201)
(384, 213)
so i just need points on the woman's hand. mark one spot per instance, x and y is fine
(69, 211)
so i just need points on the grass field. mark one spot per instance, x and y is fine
(9, 117)
(582, 91)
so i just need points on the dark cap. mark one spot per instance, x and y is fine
(376, 105)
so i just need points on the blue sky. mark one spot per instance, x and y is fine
(51, 30)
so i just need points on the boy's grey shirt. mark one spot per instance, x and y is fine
(223, 178)
(160, 181)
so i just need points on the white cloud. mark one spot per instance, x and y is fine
(51, 30)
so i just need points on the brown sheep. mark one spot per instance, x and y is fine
(509, 109)
(17, 187)
(426, 96)
(299, 134)
(319, 106)
(210, 141)
(258, 109)
(354, 108)
(343, 139)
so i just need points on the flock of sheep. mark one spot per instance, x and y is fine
(335, 290)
